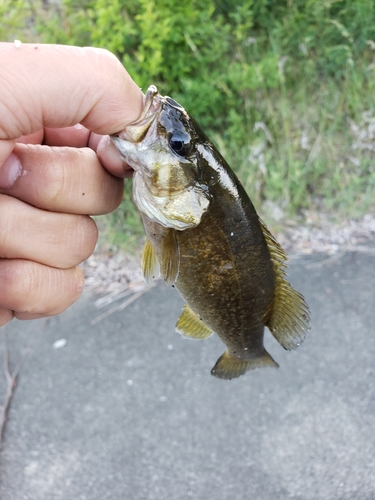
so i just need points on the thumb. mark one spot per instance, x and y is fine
(59, 86)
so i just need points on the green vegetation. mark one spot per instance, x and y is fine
(286, 88)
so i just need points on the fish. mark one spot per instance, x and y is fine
(206, 239)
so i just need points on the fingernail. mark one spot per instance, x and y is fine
(10, 171)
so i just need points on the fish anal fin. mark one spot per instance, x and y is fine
(150, 263)
(190, 325)
(289, 321)
(228, 366)
(170, 257)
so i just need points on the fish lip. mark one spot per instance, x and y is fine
(136, 131)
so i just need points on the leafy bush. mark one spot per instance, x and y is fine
(17, 20)
(276, 83)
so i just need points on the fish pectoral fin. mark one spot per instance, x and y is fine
(228, 366)
(190, 325)
(289, 321)
(150, 263)
(170, 257)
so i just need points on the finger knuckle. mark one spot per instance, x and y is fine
(54, 185)
(34, 289)
(20, 283)
(83, 239)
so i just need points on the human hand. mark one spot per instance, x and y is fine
(56, 103)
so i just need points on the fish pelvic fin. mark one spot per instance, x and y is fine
(150, 263)
(290, 318)
(170, 257)
(228, 366)
(190, 325)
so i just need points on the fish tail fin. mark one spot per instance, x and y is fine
(290, 318)
(228, 366)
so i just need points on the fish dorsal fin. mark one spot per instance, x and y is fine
(190, 325)
(170, 257)
(150, 263)
(290, 318)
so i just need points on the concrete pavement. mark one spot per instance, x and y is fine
(128, 409)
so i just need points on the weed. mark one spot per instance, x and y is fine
(285, 89)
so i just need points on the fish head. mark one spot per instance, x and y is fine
(161, 148)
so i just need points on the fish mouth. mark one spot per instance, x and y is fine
(136, 131)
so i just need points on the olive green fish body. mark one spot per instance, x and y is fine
(206, 238)
(226, 275)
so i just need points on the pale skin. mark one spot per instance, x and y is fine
(57, 166)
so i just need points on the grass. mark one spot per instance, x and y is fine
(314, 148)
(123, 227)
(298, 95)
(314, 151)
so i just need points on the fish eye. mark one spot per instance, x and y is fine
(179, 146)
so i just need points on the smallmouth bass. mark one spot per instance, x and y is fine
(205, 238)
